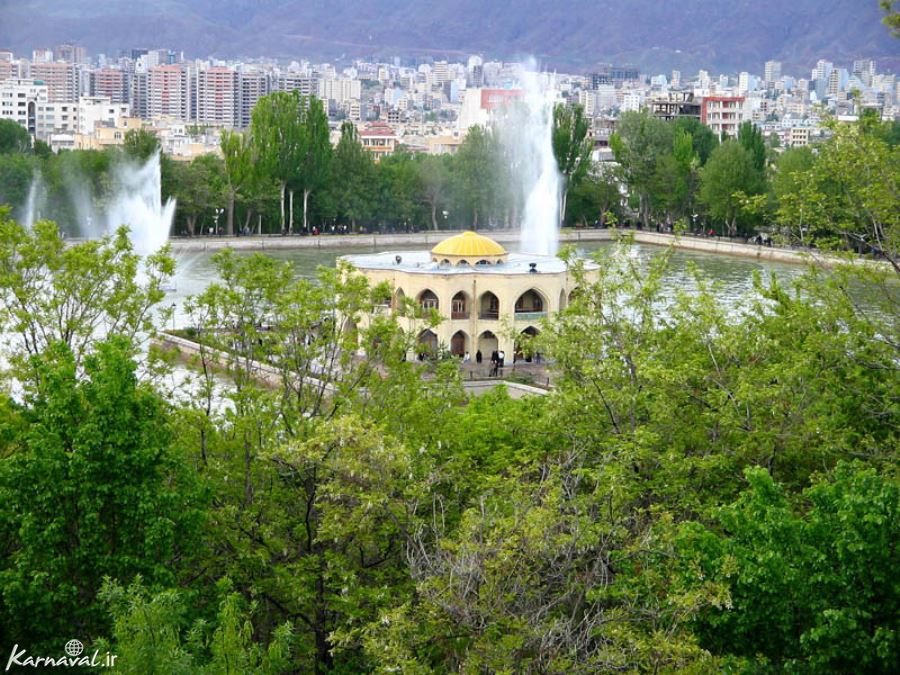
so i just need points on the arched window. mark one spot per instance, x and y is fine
(428, 299)
(531, 305)
(489, 306)
(459, 306)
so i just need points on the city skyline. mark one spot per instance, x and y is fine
(570, 36)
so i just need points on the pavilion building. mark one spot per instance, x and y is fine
(484, 294)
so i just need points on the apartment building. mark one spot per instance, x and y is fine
(339, 90)
(112, 83)
(723, 114)
(168, 92)
(216, 96)
(252, 86)
(19, 101)
(306, 85)
(61, 80)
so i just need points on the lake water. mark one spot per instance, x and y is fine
(733, 276)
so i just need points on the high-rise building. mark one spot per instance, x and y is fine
(772, 73)
(253, 86)
(703, 79)
(69, 52)
(307, 85)
(139, 93)
(441, 72)
(216, 92)
(42, 55)
(167, 92)
(864, 69)
(822, 71)
(110, 82)
(8, 69)
(339, 90)
(60, 78)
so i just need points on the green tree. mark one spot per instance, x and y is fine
(14, 138)
(730, 174)
(640, 140)
(703, 140)
(353, 177)
(595, 197)
(400, 188)
(313, 153)
(473, 173)
(53, 292)
(140, 144)
(434, 176)
(751, 138)
(91, 489)
(787, 177)
(237, 153)
(571, 147)
(808, 591)
(847, 197)
(200, 186)
(149, 635)
(277, 130)
(16, 176)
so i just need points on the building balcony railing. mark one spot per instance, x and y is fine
(489, 315)
(459, 315)
(529, 316)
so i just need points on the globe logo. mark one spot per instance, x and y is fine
(74, 647)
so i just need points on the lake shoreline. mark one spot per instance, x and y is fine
(386, 241)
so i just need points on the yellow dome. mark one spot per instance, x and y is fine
(470, 245)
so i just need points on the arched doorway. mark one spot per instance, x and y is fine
(524, 347)
(487, 343)
(489, 306)
(399, 299)
(574, 293)
(531, 305)
(427, 344)
(459, 343)
(459, 306)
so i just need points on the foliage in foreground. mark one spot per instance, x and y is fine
(706, 488)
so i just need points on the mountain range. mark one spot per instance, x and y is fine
(575, 35)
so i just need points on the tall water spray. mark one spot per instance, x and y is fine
(137, 203)
(31, 208)
(527, 134)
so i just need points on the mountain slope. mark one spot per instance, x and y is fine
(656, 34)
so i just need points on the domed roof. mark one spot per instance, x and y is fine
(469, 244)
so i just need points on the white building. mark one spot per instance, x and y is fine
(339, 90)
(19, 101)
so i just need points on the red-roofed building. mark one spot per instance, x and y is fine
(378, 138)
